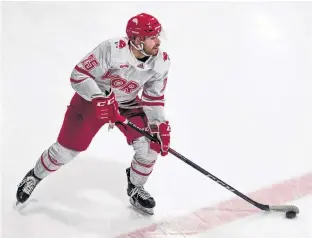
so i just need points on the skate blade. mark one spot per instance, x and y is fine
(149, 211)
(21, 205)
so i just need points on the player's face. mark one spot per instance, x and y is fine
(151, 45)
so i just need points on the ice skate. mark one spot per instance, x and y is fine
(140, 198)
(26, 187)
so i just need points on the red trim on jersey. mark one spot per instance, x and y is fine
(153, 103)
(77, 81)
(80, 70)
(152, 97)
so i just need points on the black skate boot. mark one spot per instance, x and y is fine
(26, 187)
(139, 198)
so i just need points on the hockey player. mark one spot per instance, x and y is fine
(107, 82)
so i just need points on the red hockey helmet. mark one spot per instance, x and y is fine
(143, 25)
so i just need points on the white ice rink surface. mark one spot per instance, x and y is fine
(259, 226)
(238, 99)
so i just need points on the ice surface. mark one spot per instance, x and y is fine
(238, 99)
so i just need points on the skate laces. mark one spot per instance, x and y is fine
(31, 183)
(141, 192)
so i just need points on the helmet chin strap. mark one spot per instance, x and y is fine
(140, 48)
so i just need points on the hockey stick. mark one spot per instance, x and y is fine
(277, 208)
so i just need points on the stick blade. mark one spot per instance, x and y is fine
(285, 208)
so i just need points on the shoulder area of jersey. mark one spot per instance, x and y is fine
(122, 43)
(119, 43)
(162, 61)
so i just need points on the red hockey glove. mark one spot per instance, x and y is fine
(106, 108)
(162, 131)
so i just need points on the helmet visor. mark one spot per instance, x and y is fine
(161, 35)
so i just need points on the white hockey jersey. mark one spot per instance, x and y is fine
(112, 66)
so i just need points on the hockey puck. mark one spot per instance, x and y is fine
(291, 215)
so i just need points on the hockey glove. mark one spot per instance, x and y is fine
(162, 131)
(106, 108)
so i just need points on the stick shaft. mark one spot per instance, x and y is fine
(203, 171)
(278, 208)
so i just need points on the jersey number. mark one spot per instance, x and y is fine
(90, 62)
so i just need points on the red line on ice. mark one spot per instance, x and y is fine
(211, 217)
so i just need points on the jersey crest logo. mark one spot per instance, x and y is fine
(165, 56)
(120, 83)
(121, 44)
